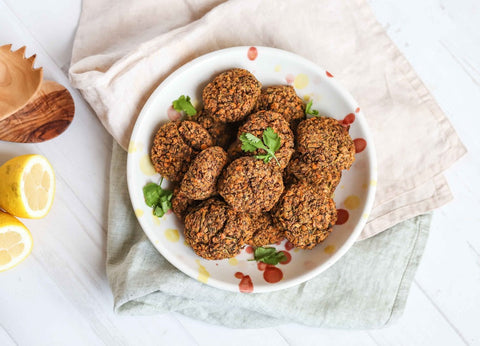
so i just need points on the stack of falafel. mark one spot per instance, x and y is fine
(226, 197)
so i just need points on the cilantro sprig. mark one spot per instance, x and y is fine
(270, 142)
(309, 110)
(183, 104)
(269, 255)
(157, 198)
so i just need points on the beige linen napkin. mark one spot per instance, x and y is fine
(124, 49)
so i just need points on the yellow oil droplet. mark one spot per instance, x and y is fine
(329, 249)
(278, 68)
(232, 261)
(301, 81)
(139, 212)
(296, 249)
(146, 165)
(156, 220)
(373, 182)
(342, 187)
(185, 243)
(365, 216)
(134, 147)
(203, 274)
(172, 235)
(307, 97)
(352, 202)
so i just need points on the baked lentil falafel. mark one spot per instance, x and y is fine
(327, 177)
(306, 214)
(170, 155)
(222, 133)
(250, 185)
(284, 100)
(326, 142)
(258, 122)
(200, 180)
(231, 95)
(181, 203)
(215, 231)
(263, 231)
(194, 135)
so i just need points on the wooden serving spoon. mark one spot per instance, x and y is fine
(30, 111)
(19, 81)
(46, 116)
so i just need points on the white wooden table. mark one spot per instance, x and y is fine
(60, 294)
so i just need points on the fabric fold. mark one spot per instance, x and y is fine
(141, 44)
(365, 289)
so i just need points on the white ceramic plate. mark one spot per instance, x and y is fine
(354, 196)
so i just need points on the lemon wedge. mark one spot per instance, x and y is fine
(15, 241)
(27, 186)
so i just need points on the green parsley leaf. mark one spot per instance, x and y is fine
(271, 139)
(158, 211)
(157, 198)
(309, 110)
(183, 104)
(271, 143)
(151, 194)
(269, 255)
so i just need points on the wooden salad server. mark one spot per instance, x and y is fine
(30, 110)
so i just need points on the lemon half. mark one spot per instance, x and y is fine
(27, 186)
(15, 241)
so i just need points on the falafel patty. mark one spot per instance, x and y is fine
(263, 231)
(181, 203)
(325, 141)
(231, 95)
(222, 133)
(215, 231)
(201, 178)
(250, 185)
(170, 155)
(326, 177)
(194, 135)
(284, 100)
(306, 214)
(257, 123)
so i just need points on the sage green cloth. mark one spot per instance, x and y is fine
(367, 288)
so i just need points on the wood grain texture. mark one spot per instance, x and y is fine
(46, 116)
(19, 81)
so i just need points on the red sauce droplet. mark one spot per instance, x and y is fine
(172, 114)
(329, 74)
(272, 275)
(252, 53)
(342, 216)
(239, 275)
(360, 144)
(289, 257)
(357, 110)
(249, 249)
(349, 119)
(261, 266)
(289, 78)
(246, 285)
(289, 246)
